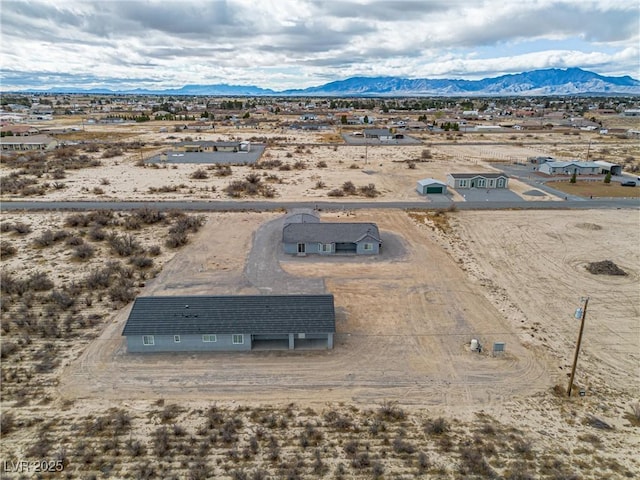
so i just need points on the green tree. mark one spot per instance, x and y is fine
(343, 119)
(573, 177)
(607, 178)
(366, 119)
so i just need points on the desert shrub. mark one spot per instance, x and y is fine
(97, 234)
(105, 181)
(7, 249)
(285, 168)
(185, 223)
(266, 164)
(223, 170)
(253, 178)
(21, 228)
(177, 239)
(321, 164)
(83, 252)
(149, 216)
(141, 261)
(48, 238)
(124, 245)
(349, 188)
(236, 188)
(62, 299)
(7, 349)
(99, 278)
(39, 282)
(438, 426)
(391, 411)
(472, 462)
(154, 250)
(97, 191)
(320, 184)
(122, 292)
(11, 285)
(426, 154)
(369, 190)
(73, 241)
(423, 462)
(112, 152)
(58, 174)
(361, 461)
(200, 174)
(101, 217)
(336, 192)
(6, 227)
(77, 220)
(289, 155)
(299, 165)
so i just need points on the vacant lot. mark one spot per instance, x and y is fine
(596, 189)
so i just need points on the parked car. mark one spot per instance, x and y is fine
(629, 183)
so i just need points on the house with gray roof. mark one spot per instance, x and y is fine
(303, 238)
(477, 180)
(230, 323)
(569, 168)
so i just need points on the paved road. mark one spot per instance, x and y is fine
(213, 206)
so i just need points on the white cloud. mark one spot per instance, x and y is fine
(298, 43)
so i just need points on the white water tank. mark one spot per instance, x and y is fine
(474, 345)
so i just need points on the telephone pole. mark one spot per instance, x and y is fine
(575, 357)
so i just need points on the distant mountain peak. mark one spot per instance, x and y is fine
(551, 81)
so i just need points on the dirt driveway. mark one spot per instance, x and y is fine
(404, 322)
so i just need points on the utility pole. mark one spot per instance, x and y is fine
(575, 358)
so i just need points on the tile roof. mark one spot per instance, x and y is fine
(250, 314)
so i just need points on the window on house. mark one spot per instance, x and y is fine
(491, 183)
(367, 246)
(500, 182)
(209, 338)
(325, 247)
(148, 340)
(481, 182)
(238, 339)
(176, 338)
(301, 248)
(463, 183)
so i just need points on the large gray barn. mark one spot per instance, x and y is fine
(230, 323)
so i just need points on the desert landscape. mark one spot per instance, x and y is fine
(400, 396)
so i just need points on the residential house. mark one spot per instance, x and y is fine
(477, 180)
(303, 238)
(29, 143)
(569, 168)
(230, 323)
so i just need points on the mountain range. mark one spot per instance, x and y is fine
(571, 81)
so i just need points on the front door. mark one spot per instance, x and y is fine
(301, 248)
(473, 184)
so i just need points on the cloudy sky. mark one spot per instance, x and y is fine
(283, 44)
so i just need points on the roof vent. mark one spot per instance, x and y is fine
(186, 306)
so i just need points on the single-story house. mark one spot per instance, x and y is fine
(302, 238)
(477, 180)
(209, 146)
(431, 185)
(608, 167)
(382, 134)
(568, 168)
(19, 130)
(28, 143)
(230, 323)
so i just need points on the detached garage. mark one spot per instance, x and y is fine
(431, 186)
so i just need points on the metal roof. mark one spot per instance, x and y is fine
(329, 232)
(430, 181)
(250, 314)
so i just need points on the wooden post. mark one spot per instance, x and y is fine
(575, 357)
